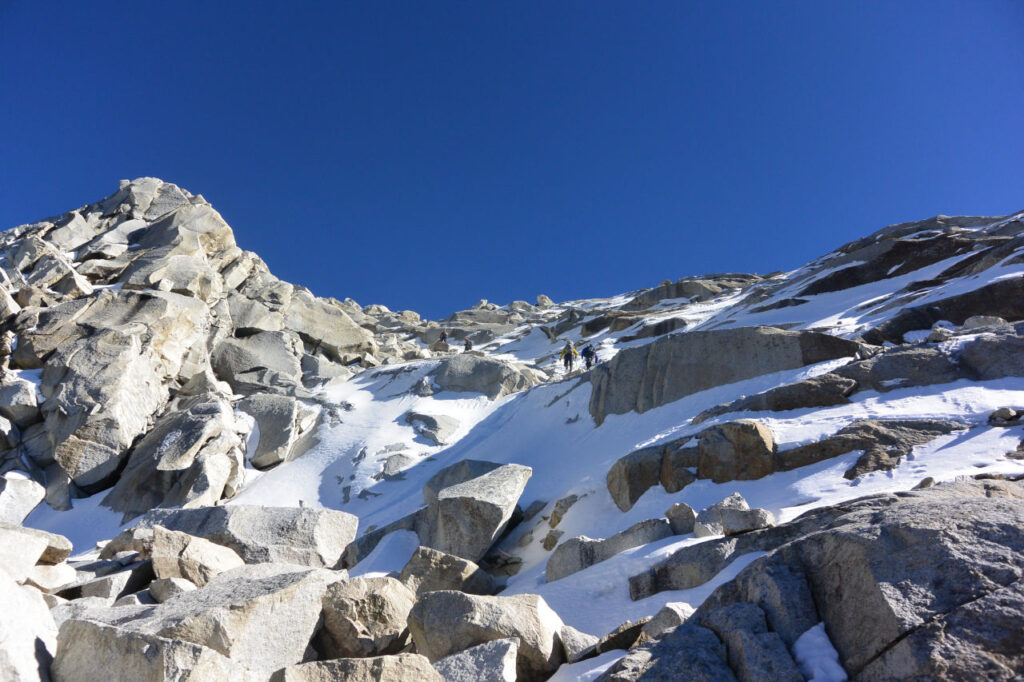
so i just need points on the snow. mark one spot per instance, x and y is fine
(588, 670)
(87, 524)
(817, 658)
(390, 555)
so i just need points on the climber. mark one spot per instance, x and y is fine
(468, 345)
(589, 356)
(568, 355)
(444, 336)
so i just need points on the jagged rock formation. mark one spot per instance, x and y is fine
(241, 445)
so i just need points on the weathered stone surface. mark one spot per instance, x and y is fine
(460, 472)
(438, 429)
(265, 361)
(303, 536)
(163, 589)
(671, 615)
(578, 645)
(239, 612)
(95, 652)
(429, 570)
(111, 587)
(493, 661)
(468, 517)
(580, 552)
(476, 374)
(27, 631)
(622, 637)
(280, 424)
(51, 577)
(681, 518)
(631, 476)
(736, 451)
(19, 495)
(446, 622)
(327, 325)
(688, 652)
(39, 546)
(400, 668)
(179, 555)
(677, 365)
(731, 516)
(18, 401)
(823, 391)
(365, 617)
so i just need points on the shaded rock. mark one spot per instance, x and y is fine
(468, 517)
(179, 555)
(578, 645)
(303, 536)
(365, 617)
(18, 401)
(37, 546)
(476, 374)
(19, 495)
(579, 552)
(96, 652)
(631, 476)
(740, 450)
(261, 362)
(493, 661)
(443, 623)
(822, 391)
(113, 586)
(163, 589)
(438, 429)
(679, 464)
(429, 570)
(400, 668)
(622, 637)
(688, 652)
(642, 378)
(671, 615)
(280, 422)
(681, 518)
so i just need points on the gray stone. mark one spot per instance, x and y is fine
(400, 668)
(19, 495)
(113, 586)
(429, 570)
(278, 418)
(578, 645)
(18, 401)
(365, 617)
(468, 517)
(644, 377)
(493, 661)
(580, 552)
(39, 545)
(163, 589)
(438, 429)
(631, 476)
(179, 555)
(96, 652)
(261, 362)
(671, 615)
(736, 451)
(303, 536)
(688, 652)
(27, 631)
(460, 472)
(477, 374)
(446, 622)
(681, 518)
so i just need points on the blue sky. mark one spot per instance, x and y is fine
(424, 155)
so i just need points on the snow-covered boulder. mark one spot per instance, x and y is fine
(476, 374)
(446, 622)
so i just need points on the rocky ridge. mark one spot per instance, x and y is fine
(286, 487)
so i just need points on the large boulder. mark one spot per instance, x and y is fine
(27, 631)
(400, 668)
(365, 617)
(578, 553)
(281, 420)
(265, 361)
(323, 323)
(438, 429)
(460, 472)
(429, 570)
(477, 374)
(19, 495)
(731, 516)
(179, 555)
(644, 377)
(493, 661)
(736, 451)
(467, 518)
(262, 617)
(446, 622)
(632, 475)
(97, 652)
(303, 536)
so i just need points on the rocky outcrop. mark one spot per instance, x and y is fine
(303, 536)
(365, 617)
(429, 570)
(700, 288)
(445, 622)
(493, 661)
(477, 374)
(642, 378)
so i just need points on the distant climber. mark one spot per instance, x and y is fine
(589, 355)
(444, 336)
(569, 355)
(468, 345)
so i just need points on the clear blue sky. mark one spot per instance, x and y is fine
(427, 154)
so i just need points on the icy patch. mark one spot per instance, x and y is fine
(817, 658)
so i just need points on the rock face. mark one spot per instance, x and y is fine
(179, 555)
(365, 617)
(468, 517)
(476, 374)
(443, 623)
(642, 378)
(838, 566)
(429, 570)
(308, 537)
